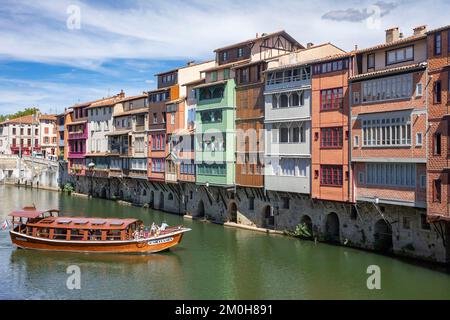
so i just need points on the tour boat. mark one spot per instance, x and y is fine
(45, 230)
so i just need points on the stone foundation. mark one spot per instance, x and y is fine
(380, 227)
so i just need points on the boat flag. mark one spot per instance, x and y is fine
(5, 225)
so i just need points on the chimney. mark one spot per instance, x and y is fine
(356, 47)
(392, 35)
(122, 94)
(190, 63)
(420, 30)
(309, 45)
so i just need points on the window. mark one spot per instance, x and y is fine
(138, 164)
(437, 190)
(331, 137)
(437, 43)
(226, 73)
(187, 167)
(290, 167)
(419, 90)
(224, 56)
(157, 165)
(391, 174)
(392, 131)
(284, 135)
(172, 118)
(211, 169)
(437, 92)
(356, 141)
(418, 138)
(424, 223)
(400, 55)
(139, 144)
(387, 88)
(361, 178)
(423, 181)
(290, 75)
(437, 144)
(331, 175)
(244, 75)
(155, 118)
(211, 116)
(356, 97)
(331, 66)
(240, 52)
(214, 76)
(158, 142)
(331, 99)
(371, 61)
(406, 223)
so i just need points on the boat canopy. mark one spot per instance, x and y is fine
(83, 223)
(30, 212)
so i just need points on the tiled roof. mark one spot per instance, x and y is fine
(281, 32)
(50, 117)
(139, 96)
(198, 81)
(184, 67)
(131, 112)
(227, 65)
(389, 71)
(25, 120)
(180, 99)
(393, 43)
(210, 84)
(438, 29)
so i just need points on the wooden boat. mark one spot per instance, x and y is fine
(45, 230)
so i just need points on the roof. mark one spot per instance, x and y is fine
(179, 100)
(438, 29)
(227, 65)
(118, 133)
(50, 117)
(104, 102)
(30, 212)
(393, 43)
(210, 84)
(83, 223)
(131, 112)
(184, 67)
(73, 123)
(194, 82)
(313, 61)
(264, 36)
(158, 90)
(24, 119)
(140, 96)
(389, 71)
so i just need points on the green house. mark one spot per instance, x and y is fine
(215, 129)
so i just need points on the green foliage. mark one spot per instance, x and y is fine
(301, 231)
(68, 187)
(18, 114)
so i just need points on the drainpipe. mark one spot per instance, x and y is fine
(349, 144)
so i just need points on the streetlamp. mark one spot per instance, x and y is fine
(91, 167)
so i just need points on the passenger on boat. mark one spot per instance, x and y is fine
(153, 229)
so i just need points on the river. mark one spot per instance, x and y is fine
(212, 262)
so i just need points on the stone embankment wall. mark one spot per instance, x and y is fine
(379, 227)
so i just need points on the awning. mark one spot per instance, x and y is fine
(30, 212)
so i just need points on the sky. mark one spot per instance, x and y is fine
(54, 54)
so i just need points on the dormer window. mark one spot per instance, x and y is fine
(371, 61)
(240, 52)
(224, 56)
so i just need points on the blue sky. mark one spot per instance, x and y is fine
(122, 44)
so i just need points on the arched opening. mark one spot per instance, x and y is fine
(306, 223)
(200, 210)
(170, 197)
(103, 193)
(152, 199)
(161, 200)
(268, 218)
(383, 236)
(332, 232)
(232, 212)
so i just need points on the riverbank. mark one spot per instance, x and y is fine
(398, 230)
(212, 262)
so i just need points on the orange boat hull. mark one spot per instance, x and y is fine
(151, 245)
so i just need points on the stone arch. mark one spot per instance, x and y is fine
(200, 209)
(307, 221)
(268, 218)
(170, 197)
(232, 212)
(161, 200)
(103, 193)
(332, 228)
(383, 236)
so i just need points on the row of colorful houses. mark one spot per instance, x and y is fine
(274, 115)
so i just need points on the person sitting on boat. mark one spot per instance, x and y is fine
(146, 233)
(153, 229)
(163, 226)
(141, 232)
(136, 235)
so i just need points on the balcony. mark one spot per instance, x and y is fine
(287, 79)
(78, 135)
